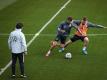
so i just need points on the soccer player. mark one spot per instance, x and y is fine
(62, 33)
(17, 45)
(81, 33)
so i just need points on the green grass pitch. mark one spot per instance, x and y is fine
(34, 14)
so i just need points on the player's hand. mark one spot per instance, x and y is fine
(53, 43)
(101, 26)
(104, 27)
(62, 31)
(25, 53)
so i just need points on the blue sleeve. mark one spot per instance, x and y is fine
(61, 27)
(94, 25)
(76, 22)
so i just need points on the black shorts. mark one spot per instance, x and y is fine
(76, 37)
(61, 38)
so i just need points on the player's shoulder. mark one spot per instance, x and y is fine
(21, 33)
(63, 23)
(76, 21)
(13, 32)
(16, 32)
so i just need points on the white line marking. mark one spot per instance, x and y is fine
(3, 69)
(102, 34)
(97, 34)
(38, 33)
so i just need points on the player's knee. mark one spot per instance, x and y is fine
(53, 43)
(86, 39)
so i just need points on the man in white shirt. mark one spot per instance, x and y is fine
(17, 45)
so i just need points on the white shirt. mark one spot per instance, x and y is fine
(17, 42)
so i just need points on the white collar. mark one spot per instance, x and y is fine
(18, 29)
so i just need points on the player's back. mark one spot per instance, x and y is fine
(16, 41)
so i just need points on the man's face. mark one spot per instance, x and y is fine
(83, 22)
(69, 21)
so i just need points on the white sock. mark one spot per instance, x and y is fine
(63, 48)
(84, 48)
(49, 52)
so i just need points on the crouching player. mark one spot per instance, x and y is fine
(81, 33)
(62, 34)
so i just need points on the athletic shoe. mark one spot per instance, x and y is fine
(23, 76)
(61, 50)
(84, 52)
(13, 76)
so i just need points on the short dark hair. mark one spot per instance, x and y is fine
(19, 25)
(84, 18)
(69, 18)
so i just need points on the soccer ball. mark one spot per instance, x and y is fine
(68, 55)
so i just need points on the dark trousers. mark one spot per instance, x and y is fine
(21, 62)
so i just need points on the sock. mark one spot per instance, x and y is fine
(84, 48)
(62, 49)
(49, 52)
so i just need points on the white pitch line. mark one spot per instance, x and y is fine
(38, 33)
(102, 34)
(97, 34)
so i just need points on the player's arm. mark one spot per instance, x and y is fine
(94, 25)
(75, 23)
(23, 41)
(61, 28)
(9, 41)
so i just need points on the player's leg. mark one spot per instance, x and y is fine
(21, 62)
(85, 45)
(68, 42)
(71, 40)
(61, 47)
(52, 46)
(62, 41)
(14, 59)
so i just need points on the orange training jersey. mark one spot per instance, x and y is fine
(83, 29)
